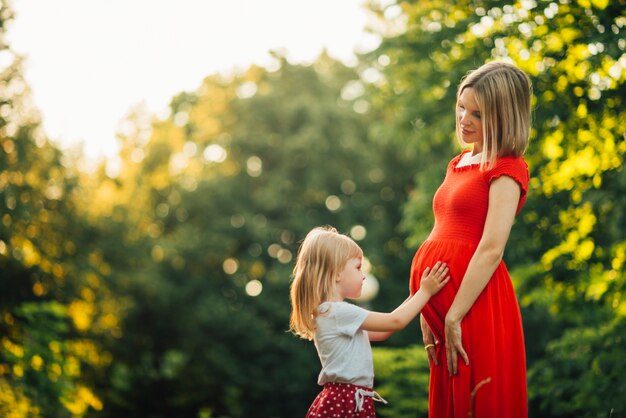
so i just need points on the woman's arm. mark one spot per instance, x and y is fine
(504, 195)
(432, 281)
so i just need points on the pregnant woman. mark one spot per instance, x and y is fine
(472, 329)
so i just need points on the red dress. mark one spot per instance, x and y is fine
(492, 329)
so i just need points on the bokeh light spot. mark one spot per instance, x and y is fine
(254, 166)
(358, 232)
(284, 256)
(237, 221)
(254, 288)
(333, 203)
(230, 266)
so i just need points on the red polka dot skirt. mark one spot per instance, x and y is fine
(343, 400)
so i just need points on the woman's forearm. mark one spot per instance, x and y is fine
(478, 273)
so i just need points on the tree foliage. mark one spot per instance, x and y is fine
(54, 302)
(402, 379)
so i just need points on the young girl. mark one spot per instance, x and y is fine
(327, 271)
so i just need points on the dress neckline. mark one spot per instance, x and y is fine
(455, 162)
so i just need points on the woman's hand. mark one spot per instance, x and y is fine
(429, 340)
(454, 345)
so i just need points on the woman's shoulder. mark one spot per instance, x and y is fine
(511, 164)
(511, 158)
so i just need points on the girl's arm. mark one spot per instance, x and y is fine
(380, 335)
(504, 195)
(432, 281)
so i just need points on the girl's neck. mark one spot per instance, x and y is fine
(334, 297)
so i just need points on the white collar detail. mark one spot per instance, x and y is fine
(469, 159)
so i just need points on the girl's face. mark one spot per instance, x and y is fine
(468, 119)
(351, 278)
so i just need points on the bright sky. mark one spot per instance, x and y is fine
(89, 61)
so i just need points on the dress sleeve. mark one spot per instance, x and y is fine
(349, 318)
(517, 169)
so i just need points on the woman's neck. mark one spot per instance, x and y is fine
(476, 149)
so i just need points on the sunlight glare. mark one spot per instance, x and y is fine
(214, 153)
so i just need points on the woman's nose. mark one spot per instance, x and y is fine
(465, 120)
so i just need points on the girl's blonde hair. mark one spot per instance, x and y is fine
(322, 256)
(503, 93)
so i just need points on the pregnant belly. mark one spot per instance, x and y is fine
(456, 254)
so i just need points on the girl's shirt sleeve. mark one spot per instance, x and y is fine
(349, 317)
(515, 168)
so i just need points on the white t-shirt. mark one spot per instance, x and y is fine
(343, 347)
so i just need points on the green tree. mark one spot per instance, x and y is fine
(51, 291)
(46, 309)
(402, 379)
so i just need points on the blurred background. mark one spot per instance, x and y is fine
(149, 277)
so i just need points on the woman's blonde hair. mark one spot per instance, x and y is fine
(322, 256)
(503, 93)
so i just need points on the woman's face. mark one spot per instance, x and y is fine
(468, 119)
